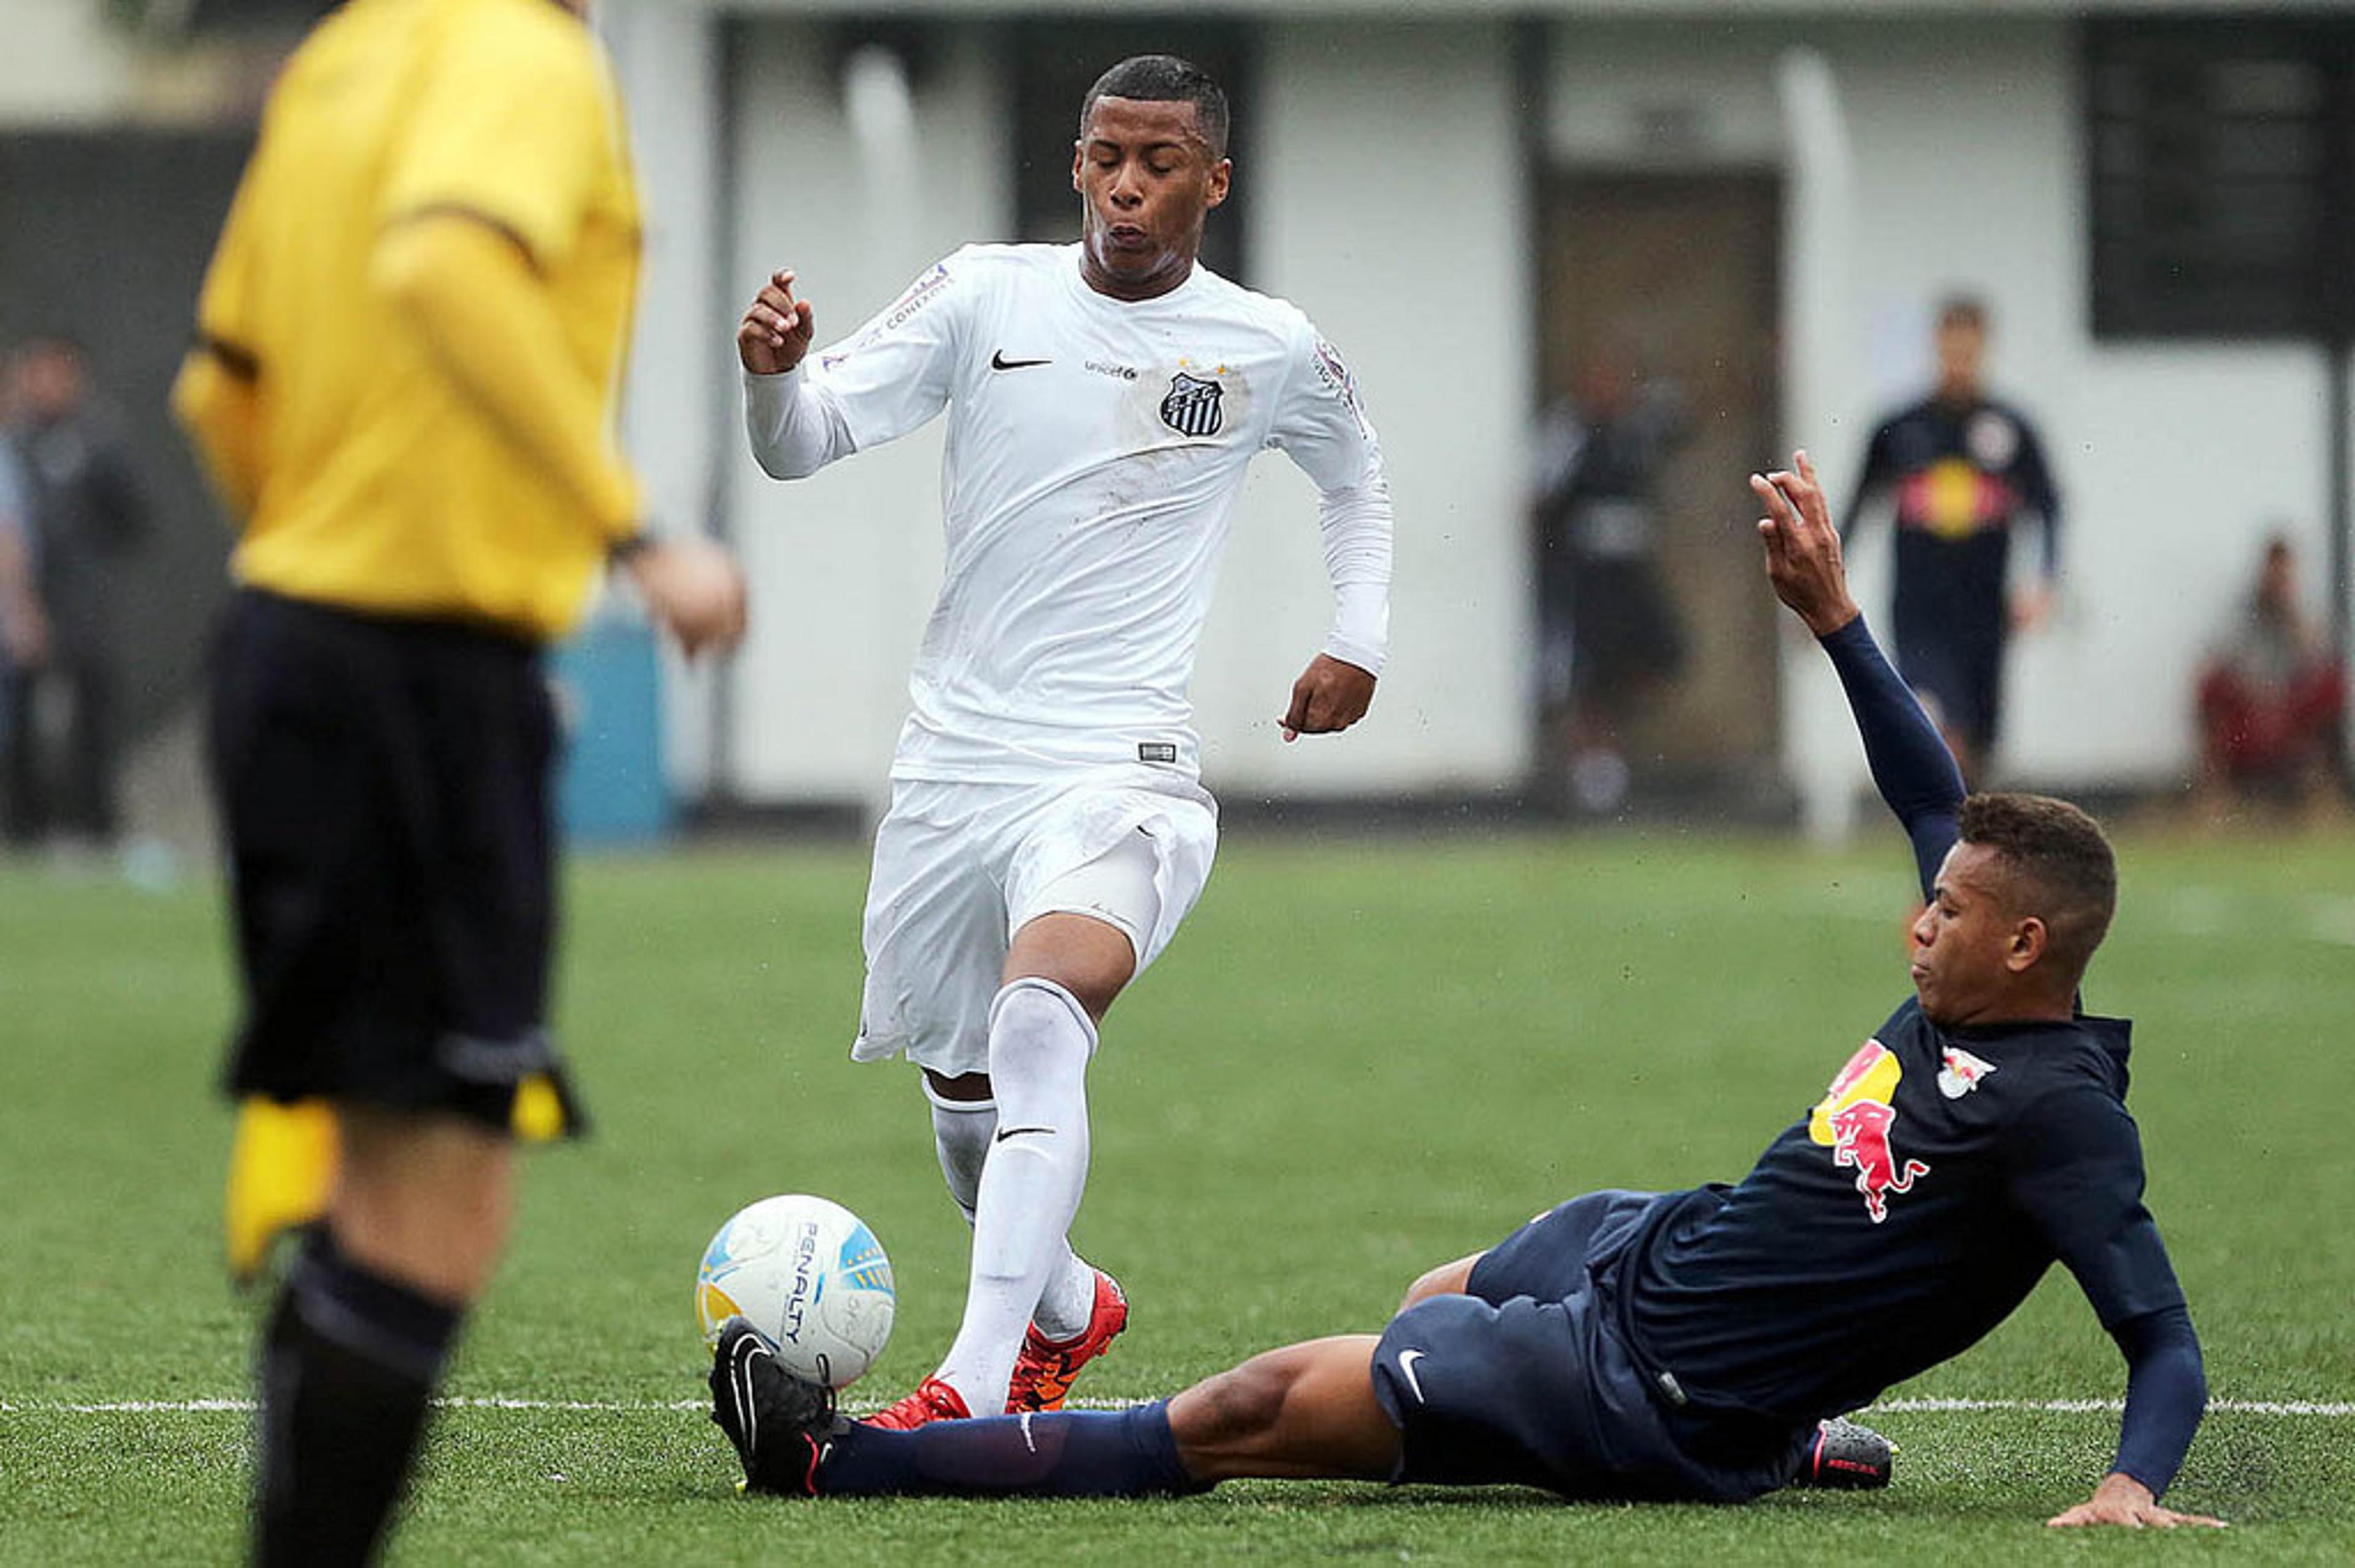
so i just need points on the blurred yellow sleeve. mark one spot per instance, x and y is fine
(221, 410)
(470, 290)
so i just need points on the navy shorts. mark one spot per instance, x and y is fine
(384, 787)
(1528, 1380)
(1959, 679)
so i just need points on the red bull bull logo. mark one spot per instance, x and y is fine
(1853, 1120)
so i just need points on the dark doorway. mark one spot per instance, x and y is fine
(1671, 282)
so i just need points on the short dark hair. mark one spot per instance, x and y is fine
(1962, 310)
(1165, 79)
(2064, 872)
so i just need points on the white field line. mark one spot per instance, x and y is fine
(2338, 1410)
(2330, 1410)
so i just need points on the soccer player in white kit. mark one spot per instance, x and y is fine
(1048, 830)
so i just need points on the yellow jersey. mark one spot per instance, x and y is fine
(378, 485)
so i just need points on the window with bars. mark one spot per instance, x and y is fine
(2220, 156)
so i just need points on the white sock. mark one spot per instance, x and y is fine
(1069, 1301)
(961, 1133)
(1039, 1043)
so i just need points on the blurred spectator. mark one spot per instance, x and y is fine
(86, 514)
(2271, 699)
(1609, 631)
(1963, 470)
(24, 632)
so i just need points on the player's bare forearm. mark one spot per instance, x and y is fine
(775, 333)
(1331, 695)
(1803, 547)
(2121, 1499)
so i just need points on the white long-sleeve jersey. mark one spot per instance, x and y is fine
(1095, 451)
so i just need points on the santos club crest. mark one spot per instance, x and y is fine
(1192, 406)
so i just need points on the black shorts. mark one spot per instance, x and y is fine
(1959, 679)
(384, 786)
(1527, 1379)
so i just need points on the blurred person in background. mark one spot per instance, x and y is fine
(24, 629)
(87, 514)
(2271, 700)
(402, 385)
(1960, 471)
(1610, 634)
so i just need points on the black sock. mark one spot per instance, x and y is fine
(349, 1366)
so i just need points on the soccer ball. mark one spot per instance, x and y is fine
(807, 1275)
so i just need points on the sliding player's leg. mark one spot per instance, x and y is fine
(1305, 1410)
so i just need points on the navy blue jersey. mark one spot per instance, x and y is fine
(1942, 1173)
(1961, 475)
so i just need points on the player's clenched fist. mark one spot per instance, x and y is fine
(776, 330)
(1329, 697)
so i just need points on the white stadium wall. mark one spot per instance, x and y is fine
(1422, 288)
(1404, 231)
(2174, 460)
(1400, 234)
(844, 563)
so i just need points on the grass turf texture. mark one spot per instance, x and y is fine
(1362, 1058)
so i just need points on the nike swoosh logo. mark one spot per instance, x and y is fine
(999, 361)
(1005, 1133)
(740, 1372)
(1407, 1359)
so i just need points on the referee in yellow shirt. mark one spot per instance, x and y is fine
(407, 348)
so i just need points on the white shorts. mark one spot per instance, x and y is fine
(960, 868)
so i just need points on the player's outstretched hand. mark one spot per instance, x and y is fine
(1329, 697)
(1803, 552)
(776, 329)
(695, 589)
(2122, 1499)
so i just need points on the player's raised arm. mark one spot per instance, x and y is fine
(792, 430)
(1910, 766)
(878, 384)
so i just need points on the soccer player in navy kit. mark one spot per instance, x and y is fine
(1960, 471)
(1686, 1345)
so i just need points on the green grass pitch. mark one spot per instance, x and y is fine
(1362, 1057)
